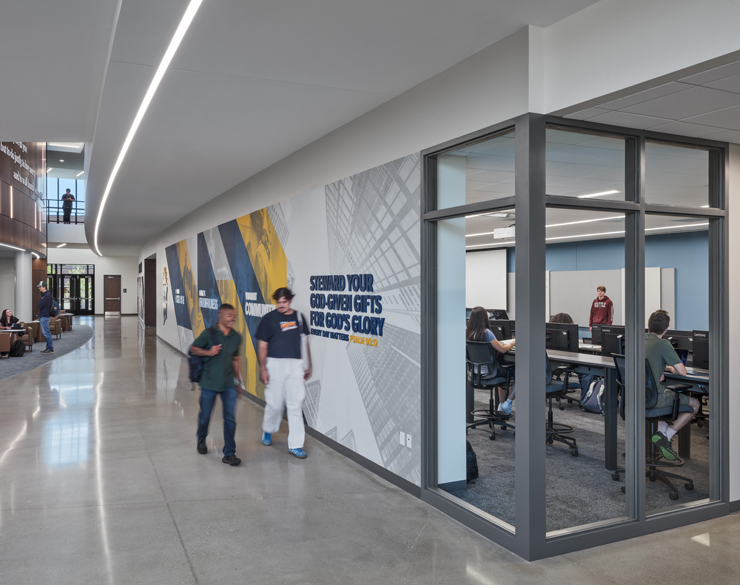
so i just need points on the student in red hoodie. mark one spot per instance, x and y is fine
(602, 309)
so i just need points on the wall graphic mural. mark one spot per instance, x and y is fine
(351, 253)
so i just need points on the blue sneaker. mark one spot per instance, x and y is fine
(300, 453)
(505, 407)
(267, 439)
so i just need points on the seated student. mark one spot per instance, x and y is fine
(479, 329)
(6, 322)
(562, 318)
(663, 358)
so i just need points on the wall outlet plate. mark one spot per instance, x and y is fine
(402, 438)
(408, 441)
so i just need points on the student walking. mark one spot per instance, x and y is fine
(282, 335)
(220, 344)
(45, 306)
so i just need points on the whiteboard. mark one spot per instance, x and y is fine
(485, 279)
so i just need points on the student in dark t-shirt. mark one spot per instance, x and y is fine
(220, 345)
(281, 335)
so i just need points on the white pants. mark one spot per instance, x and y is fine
(285, 389)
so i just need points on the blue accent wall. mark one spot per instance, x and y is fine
(688, 253)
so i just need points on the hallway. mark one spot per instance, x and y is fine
(100, 483)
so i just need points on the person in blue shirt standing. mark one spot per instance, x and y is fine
(280, 340)
(45, 305)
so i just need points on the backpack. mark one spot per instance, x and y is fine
(17, 349)
(198, 363)
(593, 401)
(472, 462)
(54, 310)
(585, 380)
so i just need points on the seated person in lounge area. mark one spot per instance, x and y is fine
(663, 358)
(479, 329)
(6, 322)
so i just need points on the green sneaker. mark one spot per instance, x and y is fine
(665, 446)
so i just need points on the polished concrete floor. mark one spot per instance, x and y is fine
(100, 483)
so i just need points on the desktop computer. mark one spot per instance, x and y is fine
(507, 328)
(701, 349)
(612, 343)
(498, 315)
(556, 339)
(571, 330)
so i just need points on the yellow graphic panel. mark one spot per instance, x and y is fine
(265, 252)
(191, 288)
(248, 360)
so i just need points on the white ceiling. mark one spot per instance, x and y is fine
(255, 81)
(705, 105)
(53, 60)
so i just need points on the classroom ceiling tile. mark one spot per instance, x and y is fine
(713, 74)
(587, 113)
(685, 104)
(629, 120)
(643, 96)
(687, 129)
(729, 118)
(731, 83)
(728, 136)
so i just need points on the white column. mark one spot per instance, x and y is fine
(23, 286)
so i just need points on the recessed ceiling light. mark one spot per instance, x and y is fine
(61, 160)
(61, 245)
(161, 70)
(598, 194)
(49, 170)
(78, 174)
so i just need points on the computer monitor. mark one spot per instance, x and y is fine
(612, 343)
(556, 339)
(468, 310)
(498, 314)
(701, 349)
(572, 330)
(596, 334)
(498, 331)
(507, 328)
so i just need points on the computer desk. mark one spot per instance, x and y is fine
(598, 365)
(699, 379)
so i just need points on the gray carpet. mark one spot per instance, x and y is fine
(69, 341)
(579, 489)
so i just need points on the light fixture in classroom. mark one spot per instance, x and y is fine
(49, 170)
(599, 194)
(558, 224)
(620, 232)
(502, 213)
(61, 160)
(80, 173)
(161, 70)
(61, 245)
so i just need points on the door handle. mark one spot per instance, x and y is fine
(113, 299)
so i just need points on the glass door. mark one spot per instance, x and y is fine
(85, 294)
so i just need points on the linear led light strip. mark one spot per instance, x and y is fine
(667, 227)
(169, 54)
(558, 224)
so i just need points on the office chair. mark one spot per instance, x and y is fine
(573, 387)
(479, 354)
(653, 457)
(557, 431)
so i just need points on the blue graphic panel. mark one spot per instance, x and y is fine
(182, 316)
(208, 296)
(245, 280)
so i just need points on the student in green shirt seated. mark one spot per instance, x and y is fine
(663, 358)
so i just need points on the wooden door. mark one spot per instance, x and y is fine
(112, 294)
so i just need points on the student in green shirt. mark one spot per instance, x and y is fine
(663, 358)
(221, 367)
